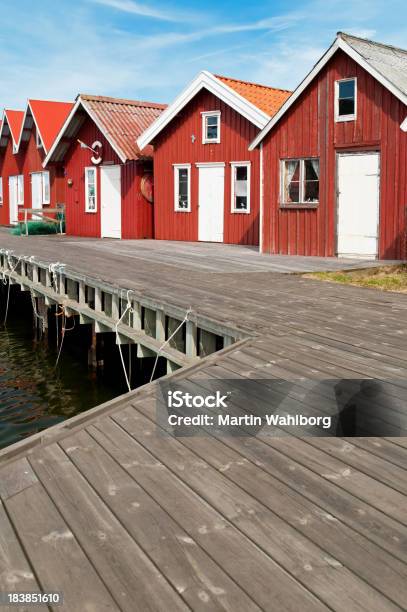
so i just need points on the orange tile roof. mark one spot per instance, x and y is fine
(49, 117)
(14, 120)
(123, 121)
(267, 99)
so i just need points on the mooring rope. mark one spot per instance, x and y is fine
(64, 329)
(4, 273)
(185, 319)
(129, 309)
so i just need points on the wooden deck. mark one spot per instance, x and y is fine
(117, 515)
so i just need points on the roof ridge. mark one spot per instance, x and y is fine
(222, 76)
(139, 103)
(372, 42)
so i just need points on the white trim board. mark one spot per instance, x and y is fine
(204, 80)
(339, 43)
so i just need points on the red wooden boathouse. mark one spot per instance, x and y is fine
(335, 157)
(108, 181)
(10, 163)
(206, 181)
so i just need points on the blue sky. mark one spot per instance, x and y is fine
(54, 49)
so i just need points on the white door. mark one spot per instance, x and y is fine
(211, 196)
(111, 202)
(13, 199)
(36, 192)
(358, 204)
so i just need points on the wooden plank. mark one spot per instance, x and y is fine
(54, 552)
(282, 542)
(192, 573)
(16, 477)
(245, 563)
(133, 580)
(16, 574)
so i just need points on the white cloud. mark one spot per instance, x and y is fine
(144, 10)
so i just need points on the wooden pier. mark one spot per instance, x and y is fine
(117, 514)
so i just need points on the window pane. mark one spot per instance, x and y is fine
(292, 181)
(241, 203)
(211, 127)
(241, 173)
(346, 89)
(311, 169)
(346, 107)
(311, 191)
(182, 188)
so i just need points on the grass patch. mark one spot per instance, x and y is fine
(385, 278)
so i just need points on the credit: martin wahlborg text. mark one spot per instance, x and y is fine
(179, 399)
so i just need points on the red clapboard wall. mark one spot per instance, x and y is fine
(137, 212)
(309, 129)
(174, 146)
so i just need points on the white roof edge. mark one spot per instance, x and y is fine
(208, 81)
(339, 43)
(79, 102)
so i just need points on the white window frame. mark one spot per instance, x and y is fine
(205, 115)
(1, 191)
(233, 166)
(178, 167)
(301, 203)
(94, 170)
(352, 117)
(20, 190)
(46, 200)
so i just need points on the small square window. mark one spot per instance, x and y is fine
(300, 182)
(211, 127)
(345, 100)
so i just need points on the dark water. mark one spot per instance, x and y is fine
(33, 394)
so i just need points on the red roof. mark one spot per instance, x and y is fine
(15, 121)
(123, 121)
(267, 99)
(49, 117)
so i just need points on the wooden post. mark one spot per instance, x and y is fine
(98, 299)
(82, 293)
(35, 274)
(137, 315)
(115, 307)
(160, 325)
(149, 322)
(92, 354)
(227, 341)
(191, 347)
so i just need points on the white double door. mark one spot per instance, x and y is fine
(358, 204)
(211, 202)
(13, 198)
(111, 201)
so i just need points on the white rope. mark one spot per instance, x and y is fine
(4, 274)
(63, 330)
(36, 313)
(185, 319)
(129, 309)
